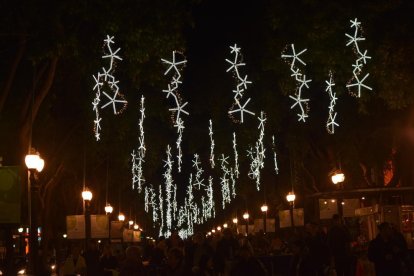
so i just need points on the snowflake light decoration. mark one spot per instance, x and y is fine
(137, 172)
(241, 84)
(198, 183)
(331, 123)
(257, 154)
(275, 155)
(175, 67)
(210, 208)
(302, 103)
(236, 157)
(361, 60)
(210, 131)
(169, 186)
(224, 181)
(107, 77)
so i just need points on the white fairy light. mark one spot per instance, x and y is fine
(257, 154)
(137, 171)
(176, 67)
(210, 129)
(275, 155)
(236, 157)
(224, 181)
(233, 184)
(299, 101)
(107, 77)
(198, 183)
(210, 210)
(161, 210)
(168, 190)
(241, 84)
(331, 123)
(146, 199)
(361, 60)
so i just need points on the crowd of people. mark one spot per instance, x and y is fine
(309, 251)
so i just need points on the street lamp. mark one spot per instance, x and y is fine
(264, 209)
(235, 220)
(34, 163)
(291, 199)
(87, 197)
(136, 227)
(218, 228)
(121, 217)
(246, 218)
(109, 209)
(130, 223)
(225, 225)
(338, 177)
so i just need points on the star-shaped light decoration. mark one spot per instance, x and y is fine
(242, 109)
(293, 59)
(107, 77)
(331, 123)
(241, 83)
(360, 61)
(175, 66)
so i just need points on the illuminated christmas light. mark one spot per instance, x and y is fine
(241, 84)
(210, 209)
(168, 190)
(361, 60)
(236, 157)
(257, 154)
(224, 181)
(331, 123)
(176, 67)
(302, 103)
(211, 145)
(137, 171)
(198, 183)
(107, 77)
(275, 155)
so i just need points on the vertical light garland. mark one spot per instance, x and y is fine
(107, 77)
(224, 181)
(302, 103)
(236, 157)
(172, 90)
(241, 85)
(331, 123)
(138, 179)
(275, 155)
(210, 131)
(361, 60)
(257, 154)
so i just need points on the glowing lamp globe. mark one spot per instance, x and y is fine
(290, 197)
(121, 217)
(225, 225)
(213, 231)
(218, 228)
(136, 227)
(20, 230)
(34, 162)
(235, 220)
(264, 208)
(87, 195)
(109, 209)
(246, 216)
(131, 222)
(338, 177)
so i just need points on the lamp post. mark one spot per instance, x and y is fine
(291, 199)
(338, 177)
(87, 197)
(121, 217)
(108, 210)
(34, 164)
(264, 209)
(246, 218)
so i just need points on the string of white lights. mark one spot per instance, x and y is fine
(138, 179)
(302, 103)
(107, 77)
(224, 181)
(241, 85)
(210, 130)
(257, 154)
(198, 183)
(361, 60)
(331, 123)
(210, 210)
(275, 155)
(236, 157)
(176, 67)
(168, 179)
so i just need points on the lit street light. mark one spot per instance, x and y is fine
(291, 199)
(121, 217)
(246, 218)
(87, 197)
(34, 164)
(264, 209)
